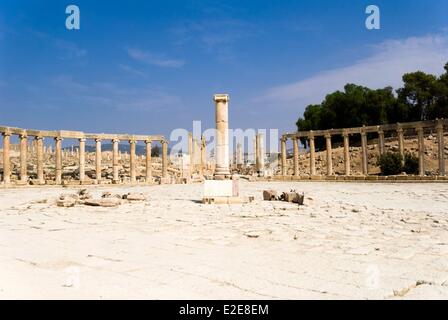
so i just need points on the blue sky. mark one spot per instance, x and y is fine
(152, 66)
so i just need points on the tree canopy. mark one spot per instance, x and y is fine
(422, 97)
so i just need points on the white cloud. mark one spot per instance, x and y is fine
(132, 70)
(384, 67)
(154, 59)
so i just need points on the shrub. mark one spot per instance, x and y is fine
(391, 163)
(411, 165)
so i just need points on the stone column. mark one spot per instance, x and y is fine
(164, 159)
(295, 143)
(190, 153)
(132, 160)
(98, 160)
(222, 136)
(148, 161)
(239, 156)
(6, 159)
(400, 140)
(203, 154)
(283, 156)
(260, 153)
(441, 147)
(82, 160)
(329, 154)
(346, 152)
(23, 158)
(58, 159)
(312, 154)
(364, 155)
(115, 159)
(40, 159)
(421, 150)
(381, 146)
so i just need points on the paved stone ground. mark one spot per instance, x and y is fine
(350, 241)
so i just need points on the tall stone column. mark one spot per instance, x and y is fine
(283, 156)
(190, 153)
(98, 160)
(260, 152)
(82, 160)
(115, 161)
(40, 159)
(329, 154)
(23, 158)
(222, 136)
(148, 161)
(239, 155)
(441, 147)
(58, 159)
(132, 160)
(6, 158)
(346, 152)
(164, 159)
(295, 143)
(381, 146)
(203, 155)
(365, 168)
(400, 135)
(421, 151)
(312, 154)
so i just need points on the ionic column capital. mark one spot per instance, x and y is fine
(345, 133)
(38, 138)
(6, 134)
(149, 141)
(221, 98)
(23, 135)
(132, 141)
(115, 140)
(327, 135)
(98, 139)
(418, 128)
(58, 139)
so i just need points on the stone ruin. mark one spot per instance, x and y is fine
(38, 163)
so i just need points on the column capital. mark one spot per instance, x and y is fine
(23, 135)
(148, 141)
(39, 138)
(327, 135)
(6, 134)
(283, 139)
(399, 128)
(311, 135)
(132, 141)
(98, 139)
(345, 133)
(221, 97)
(439, 124)
(115, 140)
(58, 138)
(419, 128)
(82, 140)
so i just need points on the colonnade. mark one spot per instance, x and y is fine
(58, 136)
(418, 128)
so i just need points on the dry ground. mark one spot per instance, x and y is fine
(350, 241)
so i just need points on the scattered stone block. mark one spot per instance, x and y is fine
(135, 196)
(269, 195)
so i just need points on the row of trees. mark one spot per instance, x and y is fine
(422, 97)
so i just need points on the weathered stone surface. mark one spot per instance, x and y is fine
(135, 196)
(104, 202)
(269, 195)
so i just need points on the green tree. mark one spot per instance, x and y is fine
(419, 94)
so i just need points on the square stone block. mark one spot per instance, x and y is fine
(220, 188)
